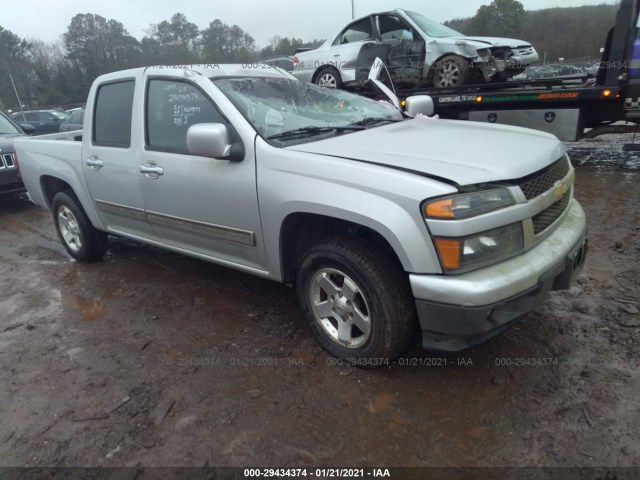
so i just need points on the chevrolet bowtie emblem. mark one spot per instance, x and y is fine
(560, 189)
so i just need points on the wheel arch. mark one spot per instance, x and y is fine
(319, 227)
(322, 67)
(51, 185)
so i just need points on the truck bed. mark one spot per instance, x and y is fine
(57, 155)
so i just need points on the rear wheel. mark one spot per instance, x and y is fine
(451, 71)
(329, 77)
(357, 301)
(80, 239)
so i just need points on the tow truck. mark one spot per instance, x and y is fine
(569, 108)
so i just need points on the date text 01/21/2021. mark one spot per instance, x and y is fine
(317, 472)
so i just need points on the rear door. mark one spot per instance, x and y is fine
(109, 159)
(346, 47)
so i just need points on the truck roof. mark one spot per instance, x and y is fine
(211, 70)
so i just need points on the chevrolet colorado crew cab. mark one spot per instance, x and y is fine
(385, 223)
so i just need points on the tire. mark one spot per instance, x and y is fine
(451, 71)
(80, 239)
(357, 301)
(329, 77)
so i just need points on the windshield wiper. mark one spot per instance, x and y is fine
(314, 131)
(369, 122)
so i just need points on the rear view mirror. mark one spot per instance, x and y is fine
(212, 140)
(419, 104)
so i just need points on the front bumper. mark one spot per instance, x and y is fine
(456, 312)
(513, 65)
(10, 182)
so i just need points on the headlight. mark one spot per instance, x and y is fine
(459, 255)
(484, 53)
(468, 205)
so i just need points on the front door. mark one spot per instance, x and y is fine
(196, 204)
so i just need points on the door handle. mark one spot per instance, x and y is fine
(151, 170)
(94, 163)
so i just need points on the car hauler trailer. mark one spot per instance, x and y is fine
(564, 107)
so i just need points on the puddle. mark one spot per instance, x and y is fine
(91, 309)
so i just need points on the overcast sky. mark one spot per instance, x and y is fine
(306, 19)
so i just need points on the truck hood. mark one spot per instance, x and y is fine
(494, 41)
(464, 153)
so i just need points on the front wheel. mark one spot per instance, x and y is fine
(451, 71)
(357, 300)
(80, 239)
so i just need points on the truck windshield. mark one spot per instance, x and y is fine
(431, 28)
(8, 128)
(285, 110)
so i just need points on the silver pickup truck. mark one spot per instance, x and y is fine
(384, 222)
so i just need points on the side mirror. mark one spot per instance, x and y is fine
(419, 104)
(212, 140)
(28, 129)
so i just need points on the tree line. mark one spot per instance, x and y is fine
(61, 73)
(572, 33)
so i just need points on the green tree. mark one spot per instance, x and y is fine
(500, 18)
(286, 46)
(173, 42)
(14, 63)
(96, 45)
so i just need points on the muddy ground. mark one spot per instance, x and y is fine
(152, 358)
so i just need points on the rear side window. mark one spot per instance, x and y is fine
(112, 115)
(355, 32)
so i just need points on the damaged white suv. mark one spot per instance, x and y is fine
(416, 50)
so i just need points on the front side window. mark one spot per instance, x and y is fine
(47, 117)
(356, 32)
(172, 107)
(112, 117)
(431, 28)
(392, 28)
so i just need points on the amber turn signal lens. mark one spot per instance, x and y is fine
(449, 251)
(440, 209)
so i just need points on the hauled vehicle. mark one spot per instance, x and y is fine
(418, 50)
(563, 101)
(43, 121)
(10, 181)
(380, 223)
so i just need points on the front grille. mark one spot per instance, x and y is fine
(543, 180)
(545, 219)
(6, 161)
